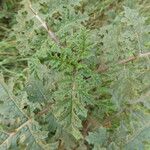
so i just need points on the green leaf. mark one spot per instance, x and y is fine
(98, 138)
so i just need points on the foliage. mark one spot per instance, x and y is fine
(11, 63)
(82, 84)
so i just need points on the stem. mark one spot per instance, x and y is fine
(11, 60)
(132, 58)
(14, 133)
(44, 25)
